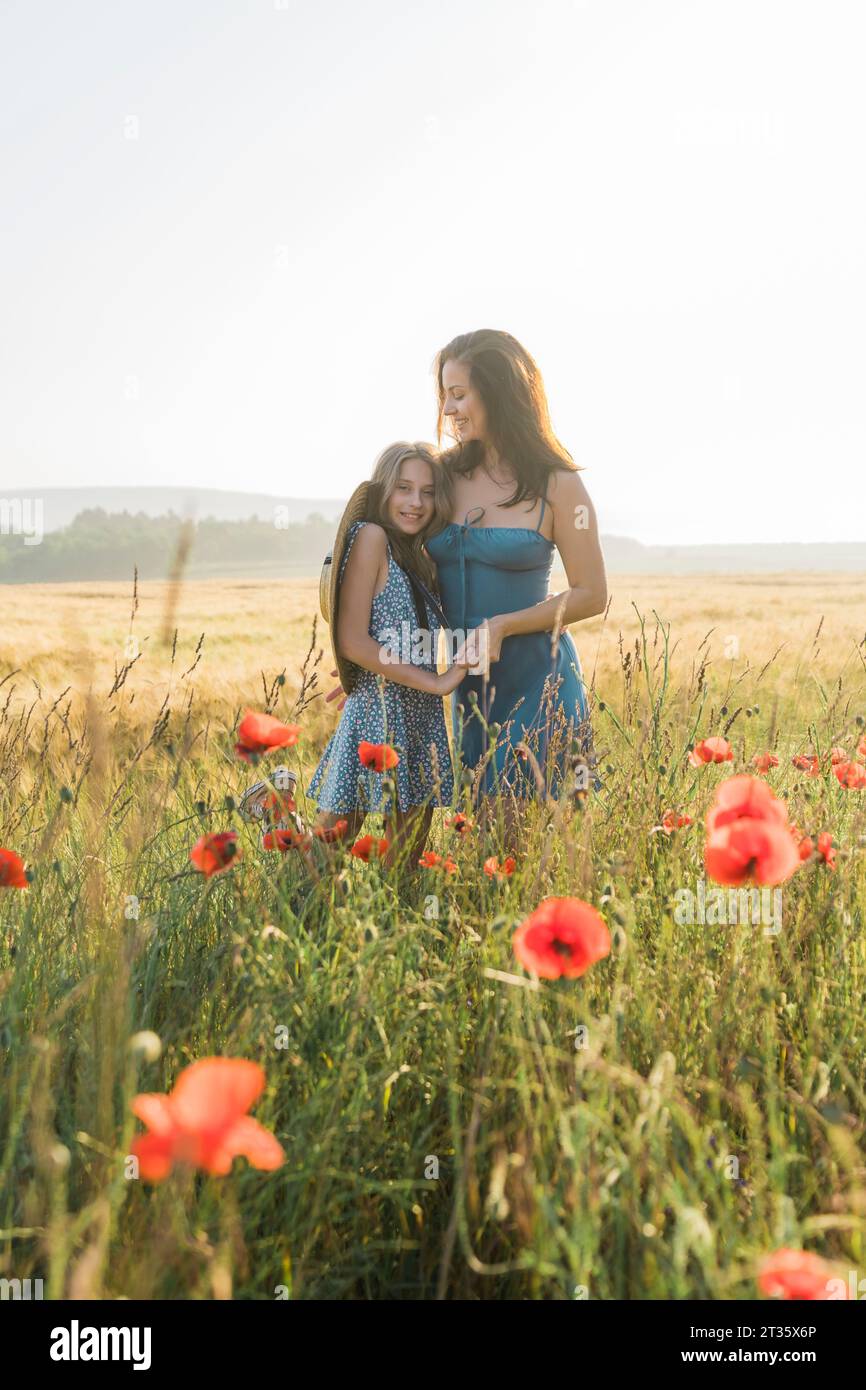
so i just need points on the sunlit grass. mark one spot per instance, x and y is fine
(452, 1127)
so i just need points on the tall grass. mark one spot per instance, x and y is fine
(453, 1127)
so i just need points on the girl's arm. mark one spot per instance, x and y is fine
(365, 575)
(575, 534)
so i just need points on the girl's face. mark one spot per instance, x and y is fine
(463, 405)
(411, 505)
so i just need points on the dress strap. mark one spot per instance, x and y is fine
(541, 518)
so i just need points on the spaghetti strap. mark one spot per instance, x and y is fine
(541, 518)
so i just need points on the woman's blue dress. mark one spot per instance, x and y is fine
(534, 693)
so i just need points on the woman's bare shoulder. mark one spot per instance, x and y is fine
(565, 488)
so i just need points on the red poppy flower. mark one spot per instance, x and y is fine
(754, 851)
(462, 824)
(563, 936)
(431, 860)
(745, 798)
(711, 750)
(329, 833)
(204, 1121)
(838, 755)
(805, 848)
(808, 763)
(258, 733)
(826, 850)
(281, 803)
(284, 839)
(12, 870)
(494, 869)
(748, 835)
(764, 761)
(672, 822)
(368, 847)
(851, 775)
(798, 1274)
(213, 854)
(378, 756)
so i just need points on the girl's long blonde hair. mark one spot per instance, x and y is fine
(410, 551)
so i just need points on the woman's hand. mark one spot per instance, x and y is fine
(497, 631)
(482, 645)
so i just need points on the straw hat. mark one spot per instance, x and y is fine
(359, 508)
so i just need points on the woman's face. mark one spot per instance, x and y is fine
(463, 405)
(411, 505)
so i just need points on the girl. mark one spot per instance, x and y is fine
(384, 619)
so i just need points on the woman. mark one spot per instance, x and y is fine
(518, 499)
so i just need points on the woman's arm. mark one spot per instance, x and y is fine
(365, 573)
(575, 534)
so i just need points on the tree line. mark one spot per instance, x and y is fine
(103, 545)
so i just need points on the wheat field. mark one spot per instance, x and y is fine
(452, 1127)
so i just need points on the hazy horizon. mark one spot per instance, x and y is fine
(237, 235)
(315, 520)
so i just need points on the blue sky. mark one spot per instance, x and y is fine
(235, 235)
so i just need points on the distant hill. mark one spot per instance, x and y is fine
(61, 505)
(624, 556)
(247, 533)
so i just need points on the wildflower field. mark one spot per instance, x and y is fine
(411, 1110)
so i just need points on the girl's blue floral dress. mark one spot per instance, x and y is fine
(379, 711)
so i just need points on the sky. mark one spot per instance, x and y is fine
(236, 232)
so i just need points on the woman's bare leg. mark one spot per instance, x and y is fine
(501, 817)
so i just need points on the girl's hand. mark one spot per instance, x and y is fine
(338, 690)
(450, 679)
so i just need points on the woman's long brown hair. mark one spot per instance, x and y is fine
(518, 417)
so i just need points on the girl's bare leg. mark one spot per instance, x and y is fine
(326, 820)
(407, 832)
